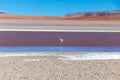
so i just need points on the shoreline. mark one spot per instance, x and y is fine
(31, 30)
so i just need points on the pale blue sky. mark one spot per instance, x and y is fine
(56, 7)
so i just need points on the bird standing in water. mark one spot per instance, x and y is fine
(61, 40)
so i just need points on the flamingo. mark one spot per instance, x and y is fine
(61, 40)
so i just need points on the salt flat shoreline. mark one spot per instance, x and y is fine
(41, 66)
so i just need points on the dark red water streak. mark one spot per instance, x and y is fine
(8, 38)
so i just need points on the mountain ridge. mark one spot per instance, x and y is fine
(112, 13)
(2, 12)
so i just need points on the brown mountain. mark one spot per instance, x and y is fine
(114, 13)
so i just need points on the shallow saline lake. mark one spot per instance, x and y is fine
(60, 49)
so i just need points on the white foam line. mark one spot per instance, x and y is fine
(25, 30)
(84, 56)
(23, 54)
(92, 56)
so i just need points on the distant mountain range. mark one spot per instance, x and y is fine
(1, 12)
(114, 13)
(88, 16)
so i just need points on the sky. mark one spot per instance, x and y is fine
(56, 7)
